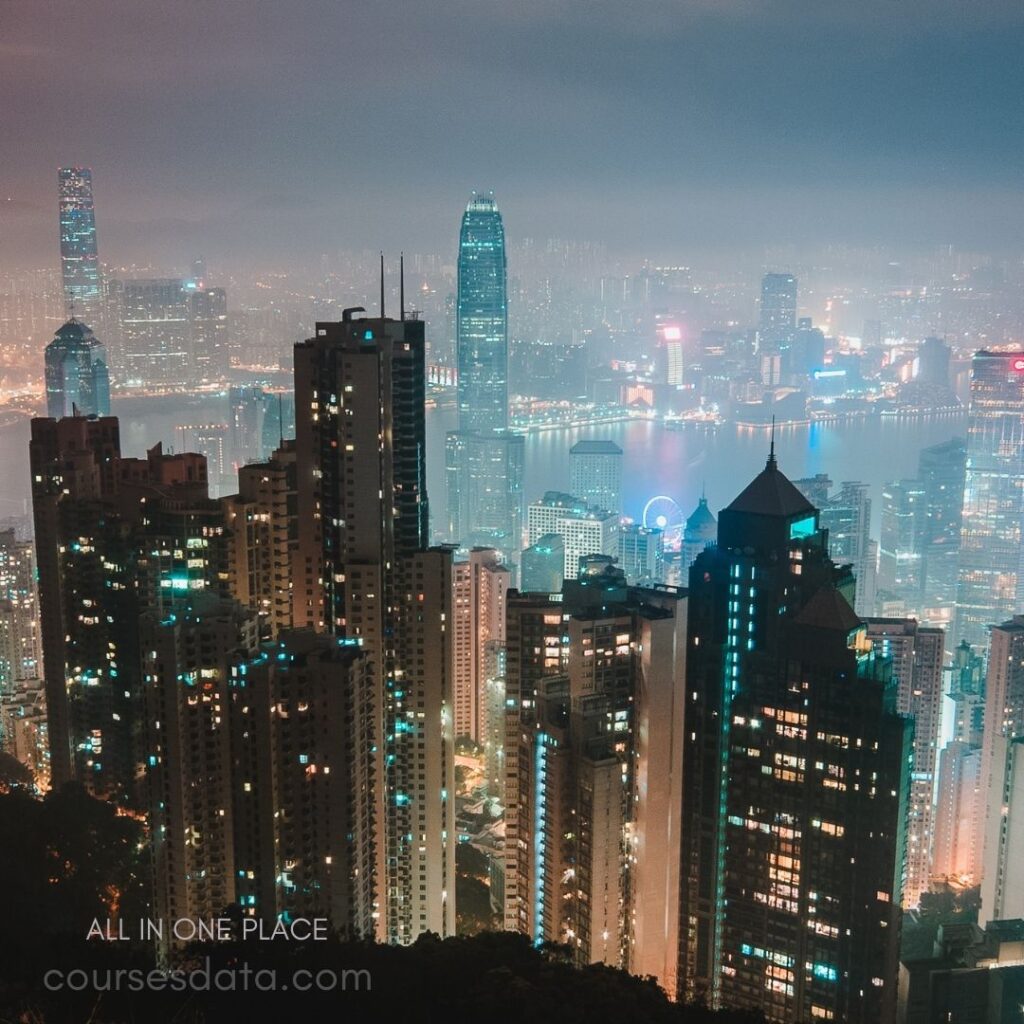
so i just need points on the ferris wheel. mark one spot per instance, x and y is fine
(663, 513)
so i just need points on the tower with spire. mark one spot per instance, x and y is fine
(77, 379)
(795, 775)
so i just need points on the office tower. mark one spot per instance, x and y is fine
(248, 407)
(901, 543)
(1000, 761)
(79, 260)
(933, 362)
(543, 565)
(156, 337)
(208, 313)
(916, 653)
(941, 470)
(778, 310)
(115, 537)
(959, 809)
(483, 476)
(701, 530)
(990, 584)
(584, 530)
(483, 461)
(77, 378)
(846, 515)
(20, 648)
(595, 473)
(669, 364)
(595, 696)
(482, 318)
(481, 582)
(263, 523)
(188, 659)
(364, 574)
(641, 553)
(796, 776)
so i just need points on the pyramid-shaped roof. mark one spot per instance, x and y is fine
(701, 516)
(771, 493)
(828, 609)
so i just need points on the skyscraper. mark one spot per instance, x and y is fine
(990, 582)
(482, 318)
(795, 777)
(595, 473)
(365, 575)
(584, 530)
(916, 653)
(778, 310)
(594, 692)
(77, 378)
(79, 259)
(20, 651)
(941, 470)
(902, 543)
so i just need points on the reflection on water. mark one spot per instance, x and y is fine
(678, 463)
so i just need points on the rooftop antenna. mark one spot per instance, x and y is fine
(401, 285)
(280, 421)
(382, 284)
(772, 464)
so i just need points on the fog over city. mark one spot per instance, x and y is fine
(513, 510)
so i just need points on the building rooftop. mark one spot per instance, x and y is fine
(771, 493)
(595, 448)
(828, 609)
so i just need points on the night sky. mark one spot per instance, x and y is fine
(258, 131)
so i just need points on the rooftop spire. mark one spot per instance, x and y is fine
(401, 285)
(382, 284)
(771, 463)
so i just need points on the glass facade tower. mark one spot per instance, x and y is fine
(80, 266)
(482, 318)
(990, 582)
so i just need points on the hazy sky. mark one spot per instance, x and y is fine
(247, 128)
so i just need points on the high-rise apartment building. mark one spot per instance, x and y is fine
(595, 474)
(584, 530)
(365, 574)
(916, 654)
(959, 801)
(796, 776)
(21, 657)
(481, 583)
(77, 376)
(990, 582)
(79, 256)
(594, 692)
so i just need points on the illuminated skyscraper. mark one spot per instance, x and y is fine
(20, 649)
(796, 776)
(778, 310)
(77, 379)
(366, 575)
(902, 542)
(79, 259)
(595, 473)
(941, 472)
(990, 583)
(483, 461)
(482, 318)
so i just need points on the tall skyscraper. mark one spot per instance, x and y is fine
(208, 309)
(595, 473)
(916, 653)
(77, 376)
(482, 318)
(595, 699)
(778, 310)
(941, 470)
(156, 343)
(796, 776)
(366, 575)
(483, 460)
(902, 543)
(1001, 764)
(990, 582)
(79, 259)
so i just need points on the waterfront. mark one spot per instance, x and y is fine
(676, 463)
